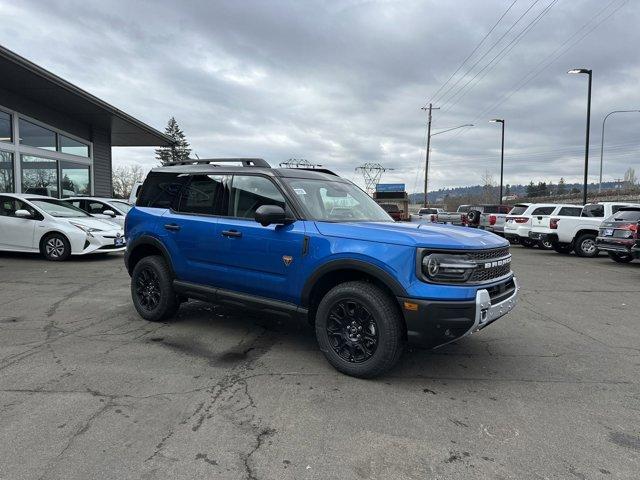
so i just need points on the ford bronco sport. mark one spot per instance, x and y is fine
(309, 244)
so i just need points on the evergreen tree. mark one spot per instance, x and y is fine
(532, 190)
(179, 151)
(562, 186)
(542, 190)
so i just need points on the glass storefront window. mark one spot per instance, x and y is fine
(36, 136)
(6, 172)
(73, 147)
(39, 175)
(75, 179)
(6, 127)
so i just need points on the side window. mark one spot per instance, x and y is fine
(94, 207)
(8, 207)
(543, 211)
(569, 212)
(160, 190)
(615, 208)
(203, 195)
(594, 210)
(248, 192)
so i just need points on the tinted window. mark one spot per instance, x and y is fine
(73, 147)
(390, 207)
(615, 208)
(570, 212)
(203, 195)
(6, 172)
(427, 211)
(518, 210)
(249, 192)
(593, 211)
(6, 132)
(94, 207)
(626, 215)
(543, 211)
(160, 190)
(36, 136)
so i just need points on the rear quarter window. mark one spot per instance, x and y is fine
(160, 190)
(518, 210)
(543, 211)
(594, 210)
(570, 212)
(626, 216)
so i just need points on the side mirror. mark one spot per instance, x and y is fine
(23, 214)
(271, 215)
(111, 213)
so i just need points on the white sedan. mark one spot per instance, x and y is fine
(56, 229)
(110, 209)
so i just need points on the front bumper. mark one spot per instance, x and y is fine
(103, 242)
(433, 323)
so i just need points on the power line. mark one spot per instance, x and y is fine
(472, 52)
(552, 57)
(443, 96)
(504, 52)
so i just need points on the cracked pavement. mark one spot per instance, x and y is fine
(88, 390)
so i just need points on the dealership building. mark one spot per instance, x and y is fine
(55, 138)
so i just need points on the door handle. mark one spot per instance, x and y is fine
(173, 227)
(231, 233)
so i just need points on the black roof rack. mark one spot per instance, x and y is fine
(321, 170)
(246, 162)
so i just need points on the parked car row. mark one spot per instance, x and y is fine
(60, 228)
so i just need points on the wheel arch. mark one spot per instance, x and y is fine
(50, 232)
(143, 247)
(582, 231)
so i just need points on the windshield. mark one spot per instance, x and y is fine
(122, 206)
(331, 201)
(57, 208)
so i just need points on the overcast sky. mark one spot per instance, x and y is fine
(341, 82)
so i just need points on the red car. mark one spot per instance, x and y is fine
(393, 210)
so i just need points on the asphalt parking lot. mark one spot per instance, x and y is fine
(88, 390)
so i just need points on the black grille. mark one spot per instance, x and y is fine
(481, 274)
(488, 254)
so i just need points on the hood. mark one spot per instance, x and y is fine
(91, 222)
(414, 234)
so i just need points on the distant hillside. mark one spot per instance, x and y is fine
(439, 196)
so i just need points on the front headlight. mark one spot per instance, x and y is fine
(447, 267)
(87, 230)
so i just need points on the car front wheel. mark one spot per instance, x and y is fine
(55, 247)
(359, 329)
(586, 245)
(152, 289)
(621, 257)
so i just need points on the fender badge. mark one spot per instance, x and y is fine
(287, 260)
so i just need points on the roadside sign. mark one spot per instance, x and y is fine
(390, 187)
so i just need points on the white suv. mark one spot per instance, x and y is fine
(519, 222)
(56, 229)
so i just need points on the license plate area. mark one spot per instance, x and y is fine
(608, 232)
(118, 242)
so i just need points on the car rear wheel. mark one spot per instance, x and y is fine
(545, 245)
(621, 257)
(55, 247)
(586, 245)
(527, 243)
(152, 289)
(359, 329)
(561, 247)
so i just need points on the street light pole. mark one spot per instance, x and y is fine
(602, 140)
(426, 161)
(586, 148)
(500, 120)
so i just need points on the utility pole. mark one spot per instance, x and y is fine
(426, 162)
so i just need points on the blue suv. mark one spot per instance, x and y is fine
(309, 244)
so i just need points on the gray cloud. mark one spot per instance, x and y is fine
(341, 83)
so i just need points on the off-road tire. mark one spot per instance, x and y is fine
(621, 257)
(55, 247)
(585, 245)
(389, 328)
(152, 289)
(563, 248)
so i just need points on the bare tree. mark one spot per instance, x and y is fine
(630, 177)
(125, 177)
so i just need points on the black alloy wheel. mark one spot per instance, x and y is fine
(148, 288)
(352, 331)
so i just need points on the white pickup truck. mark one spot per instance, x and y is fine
(577, 233)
